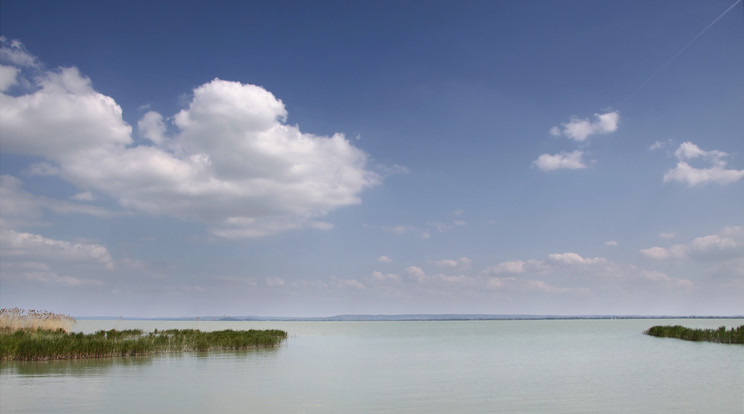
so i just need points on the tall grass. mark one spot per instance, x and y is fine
(40, 344)
(15, 318)
(721, 335)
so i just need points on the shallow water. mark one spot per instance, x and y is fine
(557, 366)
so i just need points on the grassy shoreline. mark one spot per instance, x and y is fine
(45, 344)
(720, 335)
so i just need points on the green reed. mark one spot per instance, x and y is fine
(721, 335)
(40, 344)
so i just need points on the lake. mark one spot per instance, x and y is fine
(521, 366)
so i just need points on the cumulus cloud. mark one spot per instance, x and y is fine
(384, 259)
(416, 273)
(579, 129)
(383, 277)
(462, 262)
(516, 266)
(611, 243)
(152, 127)
(13, 52)
(232, 162)
(8, 77)
(714, 171)
(19, 246)
(659, 144)
(562, 160)
(575, 259)
(729, 240)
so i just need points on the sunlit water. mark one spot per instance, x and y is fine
(556, 366)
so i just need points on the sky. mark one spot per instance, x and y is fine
(294, 158)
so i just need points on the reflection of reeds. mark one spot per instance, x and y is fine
(40, 344)
(15, 318)
(721, 335)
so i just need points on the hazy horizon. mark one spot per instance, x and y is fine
(322, 158)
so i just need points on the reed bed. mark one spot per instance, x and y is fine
(720, 335)
(43, 344)
(15, 318)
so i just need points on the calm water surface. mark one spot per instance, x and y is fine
(558, 366)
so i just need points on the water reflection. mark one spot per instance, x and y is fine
(77, 367)
(101, 366)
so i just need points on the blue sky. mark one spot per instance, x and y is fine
(318, 158)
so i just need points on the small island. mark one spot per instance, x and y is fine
(34, 335)
(720, 335)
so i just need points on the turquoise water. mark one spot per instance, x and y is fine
(556, 366)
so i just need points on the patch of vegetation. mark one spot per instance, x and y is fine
(44, 344)
(720, 335)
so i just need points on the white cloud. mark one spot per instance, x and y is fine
(382, 277)
(692, 176)
(580, 129)
(446, 263)
(666, 235)
(151, 126)
(416, 273)
(611, 243)
(575, 259)
(669, 281)
(730, 239)
(384, 259)
(659, 144)
(563, 160)
(348, 283)
(658, 253)
(65, 120)
(19, 246)
(13, 52)
(512, 266)
(274, 281)
(462, 262)
(232, 163)
(8, 76)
